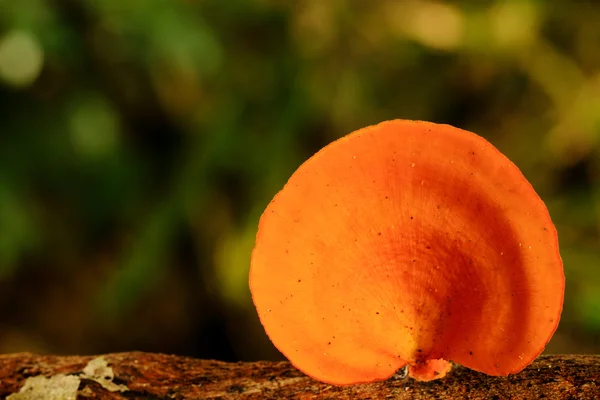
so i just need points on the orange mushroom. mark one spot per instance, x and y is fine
(407, 243)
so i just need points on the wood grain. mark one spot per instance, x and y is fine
(159, 376)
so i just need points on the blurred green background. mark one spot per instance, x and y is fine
(141, 140)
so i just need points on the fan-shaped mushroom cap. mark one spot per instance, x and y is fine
(407, 243)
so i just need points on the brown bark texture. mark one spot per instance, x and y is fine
(139, 375)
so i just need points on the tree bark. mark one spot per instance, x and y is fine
(138, 375)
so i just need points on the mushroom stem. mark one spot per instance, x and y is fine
(429, 370)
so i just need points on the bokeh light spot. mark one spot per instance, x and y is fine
(94, 126)
(21, 58)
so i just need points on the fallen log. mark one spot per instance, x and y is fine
(137, 375)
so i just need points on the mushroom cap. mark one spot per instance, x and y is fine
(403, 243)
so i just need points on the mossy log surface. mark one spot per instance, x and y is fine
(139, 375)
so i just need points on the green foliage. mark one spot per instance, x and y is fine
(140, 141)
